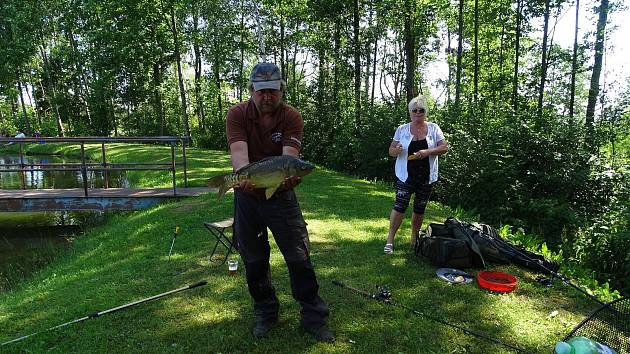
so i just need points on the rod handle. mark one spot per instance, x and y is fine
(200, 283)
(339, 283)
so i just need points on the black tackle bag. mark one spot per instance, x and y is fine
(457, 244)
(442, 247)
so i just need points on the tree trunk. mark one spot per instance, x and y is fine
(337, 64)
(217, 82)
(449, 62)
(593, 91)
(33, 99)
(60, 128)
(182, 89)
(198, 96)
(410, 50)
(476, 75)
(357, 71)
(157, 97)
(374, 59)
(519, 4)
(83, 85)
(458, 75)
(283, 68)
(241, 61)
(368, 56)
(543, 61)
(574, 60)
(27, 124)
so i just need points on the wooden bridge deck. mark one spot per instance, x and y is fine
(74, 199)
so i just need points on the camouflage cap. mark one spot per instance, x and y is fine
(265, 76)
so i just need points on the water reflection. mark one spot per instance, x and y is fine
(51, 179)
(29, 240)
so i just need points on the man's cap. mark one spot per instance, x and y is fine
(265, 76)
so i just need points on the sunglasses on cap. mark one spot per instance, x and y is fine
(419, 110)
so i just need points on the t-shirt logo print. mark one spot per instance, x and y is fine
(276, 137)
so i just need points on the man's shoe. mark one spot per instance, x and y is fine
(262, 327)
(322, 334)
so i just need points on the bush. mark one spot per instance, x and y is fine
(603, 244)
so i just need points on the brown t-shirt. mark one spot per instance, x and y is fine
(264, 139)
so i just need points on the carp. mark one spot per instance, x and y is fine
(268, 173)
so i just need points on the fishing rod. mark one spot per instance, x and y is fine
(384, 295)
(118, 308)
(541, 265)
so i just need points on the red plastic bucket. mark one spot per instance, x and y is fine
(497, 281)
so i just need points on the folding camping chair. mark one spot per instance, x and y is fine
(218, 230)
(609, 324)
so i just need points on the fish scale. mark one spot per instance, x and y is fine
(268, 174)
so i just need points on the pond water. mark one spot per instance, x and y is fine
(29, 240)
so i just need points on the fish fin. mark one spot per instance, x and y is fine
(220, 182)
(222, 190)
(270, 191)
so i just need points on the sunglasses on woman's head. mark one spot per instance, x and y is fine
(419, 110)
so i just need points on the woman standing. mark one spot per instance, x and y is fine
(416, 146)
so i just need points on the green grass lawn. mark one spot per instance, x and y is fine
(126, 259)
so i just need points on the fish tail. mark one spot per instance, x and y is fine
(217, 181)
(222, 182)
(225, 182)
(222, 190)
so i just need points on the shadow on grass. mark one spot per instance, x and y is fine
(127, 260)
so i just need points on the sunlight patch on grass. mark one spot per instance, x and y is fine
(127, 259)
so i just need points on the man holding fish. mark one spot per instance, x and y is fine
(265, 136)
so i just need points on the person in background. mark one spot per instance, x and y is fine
(416, 146)
(261, 127)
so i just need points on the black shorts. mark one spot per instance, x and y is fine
(404, 190)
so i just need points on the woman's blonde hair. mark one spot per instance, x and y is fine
(419, 102)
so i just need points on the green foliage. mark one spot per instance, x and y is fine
(604, 243)
(582, 275)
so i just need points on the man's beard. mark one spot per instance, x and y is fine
(268, 107)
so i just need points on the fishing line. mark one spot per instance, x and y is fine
(104, 312)
(384, 295)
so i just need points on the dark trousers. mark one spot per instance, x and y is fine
(282, 215)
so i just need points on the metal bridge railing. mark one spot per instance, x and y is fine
(84, 166)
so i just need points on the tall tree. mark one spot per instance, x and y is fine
(410, 49)
(198, 71)
(476, 76)
(357, 68)
(593, 91)
(543, 60)
(460, 44)
(517, 54)
(574, 60)
(18, 80)
(182, 89)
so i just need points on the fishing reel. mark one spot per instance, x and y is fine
(383, 293)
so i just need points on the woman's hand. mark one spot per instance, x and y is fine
(395, 148)
(420, 154)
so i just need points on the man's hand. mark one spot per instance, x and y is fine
(291, 181)
(247, 186)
